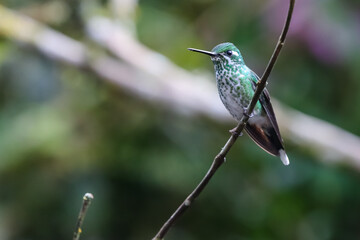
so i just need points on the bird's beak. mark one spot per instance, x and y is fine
(212, 54)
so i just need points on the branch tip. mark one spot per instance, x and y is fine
(87, 198)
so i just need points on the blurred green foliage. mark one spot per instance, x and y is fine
(64, 132)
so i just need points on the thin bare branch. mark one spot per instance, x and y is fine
(220, 158)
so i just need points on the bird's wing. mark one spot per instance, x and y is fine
(266, 104)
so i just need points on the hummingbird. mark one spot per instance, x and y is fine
(236, 84)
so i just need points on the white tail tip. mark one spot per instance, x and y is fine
(284, 158)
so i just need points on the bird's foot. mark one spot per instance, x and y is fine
(257, 83)
(245, 109)
(233, 131)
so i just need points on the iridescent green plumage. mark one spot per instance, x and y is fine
(236, 84)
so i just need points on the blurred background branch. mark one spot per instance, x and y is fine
(154, 77)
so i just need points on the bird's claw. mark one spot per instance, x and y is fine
(233, 131)
(257, 83)
(245, 109)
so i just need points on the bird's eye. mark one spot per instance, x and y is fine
(229, 52)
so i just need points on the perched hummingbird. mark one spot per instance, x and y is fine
(236, 84)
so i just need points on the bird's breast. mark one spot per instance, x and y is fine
(230, 92)
(235, 92)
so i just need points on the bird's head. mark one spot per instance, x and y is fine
(224, 53)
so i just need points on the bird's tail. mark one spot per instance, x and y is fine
(284, 158)
(268, 140)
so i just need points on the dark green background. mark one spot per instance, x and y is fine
(64, 132)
